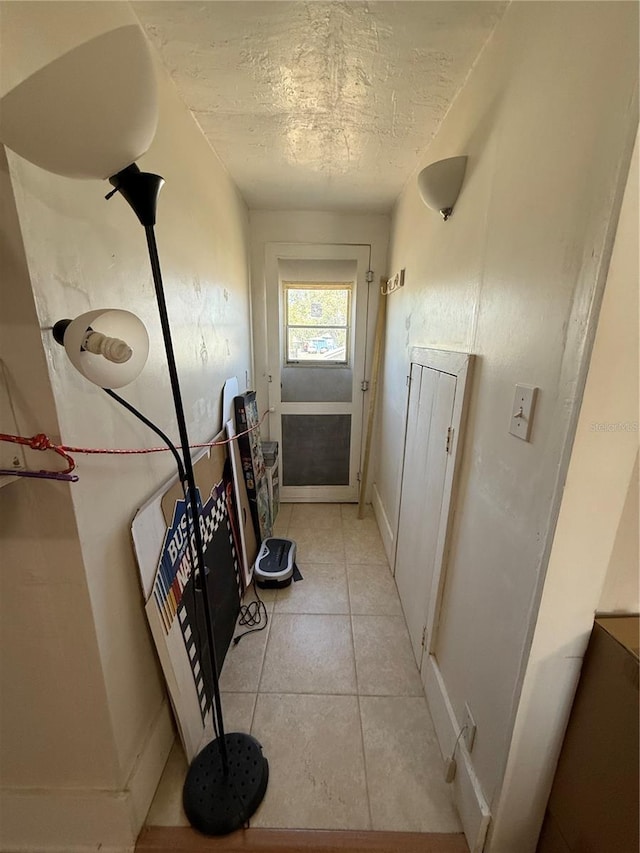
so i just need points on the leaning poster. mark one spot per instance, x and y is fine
(174, 595)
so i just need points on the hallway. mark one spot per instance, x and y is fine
(331, 690)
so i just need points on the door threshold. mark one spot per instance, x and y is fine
(183, 839)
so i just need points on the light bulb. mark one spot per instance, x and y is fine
(108, 346)
(113, 349)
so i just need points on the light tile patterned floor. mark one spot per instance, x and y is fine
(332, 692)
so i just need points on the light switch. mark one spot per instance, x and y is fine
(522, 412)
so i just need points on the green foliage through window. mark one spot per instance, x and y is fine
(317, 320)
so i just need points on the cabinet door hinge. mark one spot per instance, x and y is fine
(369, 276)
(359, 476)
(449, 439)
(364, 385)
(424, 637)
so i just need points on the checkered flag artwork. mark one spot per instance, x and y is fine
(176, 608)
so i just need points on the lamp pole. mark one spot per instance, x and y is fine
(220, 794)
(191, 483)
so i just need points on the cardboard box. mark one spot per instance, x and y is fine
(273, 484)
(593, 807)
(248, 429)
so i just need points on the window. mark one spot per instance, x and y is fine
(317, 322)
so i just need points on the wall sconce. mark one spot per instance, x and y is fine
(440, 183)
(90, 114)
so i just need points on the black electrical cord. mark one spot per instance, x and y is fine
(155, 429)
(252, 614)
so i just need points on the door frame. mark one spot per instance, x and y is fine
(360, 253)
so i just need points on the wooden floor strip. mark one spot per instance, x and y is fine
(178, 839)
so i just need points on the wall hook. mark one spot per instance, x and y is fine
(394, 283)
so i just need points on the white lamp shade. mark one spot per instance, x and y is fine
(439, 184)
(88, 114)
(113, 323)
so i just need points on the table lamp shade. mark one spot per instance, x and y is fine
(89, 113)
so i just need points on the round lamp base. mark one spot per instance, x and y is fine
(215, 803)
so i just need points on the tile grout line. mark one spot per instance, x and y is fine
(325, 693)
(369, 775)
(353, 641)
(264, 654)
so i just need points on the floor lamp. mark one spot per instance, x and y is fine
(90, 114)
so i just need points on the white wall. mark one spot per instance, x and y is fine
(616, 404)
(602, 475)
(310, 227)
(621, 591)
(83, 252)
(547, 118)
(54, 709)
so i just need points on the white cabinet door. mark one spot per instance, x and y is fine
(428, 440)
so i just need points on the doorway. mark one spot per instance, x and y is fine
(317, 296)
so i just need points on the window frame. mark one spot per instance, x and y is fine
(349, 287)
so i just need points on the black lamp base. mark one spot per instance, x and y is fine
(217, 804)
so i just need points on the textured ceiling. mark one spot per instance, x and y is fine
(319, 105)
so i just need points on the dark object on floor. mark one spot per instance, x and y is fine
(275, 563)
(216, 802)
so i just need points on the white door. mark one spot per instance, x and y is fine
(438, 394)
(317, 298)
(429, 420)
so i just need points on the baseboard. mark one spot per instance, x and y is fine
(468, 796)
(77, 820)
(148, 768)
(386, 531)
(174, 839)
(66, 821)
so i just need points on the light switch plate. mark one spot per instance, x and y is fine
(522, 412)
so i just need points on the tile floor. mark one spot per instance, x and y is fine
(332, 692)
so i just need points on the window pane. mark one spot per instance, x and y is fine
(317, 322)
(313, 344)
(307, 306)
